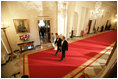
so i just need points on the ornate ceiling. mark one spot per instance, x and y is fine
(38, 5)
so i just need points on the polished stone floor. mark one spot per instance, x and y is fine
(16, 65)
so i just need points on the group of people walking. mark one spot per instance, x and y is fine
(60, 43)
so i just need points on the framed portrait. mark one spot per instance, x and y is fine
(21, 25)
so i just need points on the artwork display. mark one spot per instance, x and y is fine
(21, 25)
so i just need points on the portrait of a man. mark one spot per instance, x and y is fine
(21, 25)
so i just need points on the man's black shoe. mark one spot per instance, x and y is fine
(55, 55)
(61, 60)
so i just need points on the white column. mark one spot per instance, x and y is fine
(79, 22)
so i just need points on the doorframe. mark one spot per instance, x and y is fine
(44, 18)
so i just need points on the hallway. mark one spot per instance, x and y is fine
(17, 64)
(30, 30)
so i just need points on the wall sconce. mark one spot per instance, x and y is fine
(115, 20)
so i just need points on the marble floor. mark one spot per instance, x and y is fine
(16, 65)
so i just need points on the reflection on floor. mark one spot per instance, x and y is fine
(16, 65)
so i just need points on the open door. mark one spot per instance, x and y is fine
(44, 31)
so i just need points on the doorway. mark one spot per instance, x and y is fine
(89, 26)
(44, 31)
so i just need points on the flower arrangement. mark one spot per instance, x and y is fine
(24, 37)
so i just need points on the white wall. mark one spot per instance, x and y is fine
(83, 9)
(16, 10)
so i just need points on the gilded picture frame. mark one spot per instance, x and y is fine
(21, 25)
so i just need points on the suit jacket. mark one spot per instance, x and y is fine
(58, 41)
(65, 45)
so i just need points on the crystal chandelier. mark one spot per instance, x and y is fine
(41, 23)
(94, 14)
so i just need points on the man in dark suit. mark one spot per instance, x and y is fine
(64, 47)
(58, 42)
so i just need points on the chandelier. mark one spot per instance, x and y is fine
(41, 23)
(94, 14)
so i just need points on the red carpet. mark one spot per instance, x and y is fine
(45, 65)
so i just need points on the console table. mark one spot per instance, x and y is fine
(26, 45)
